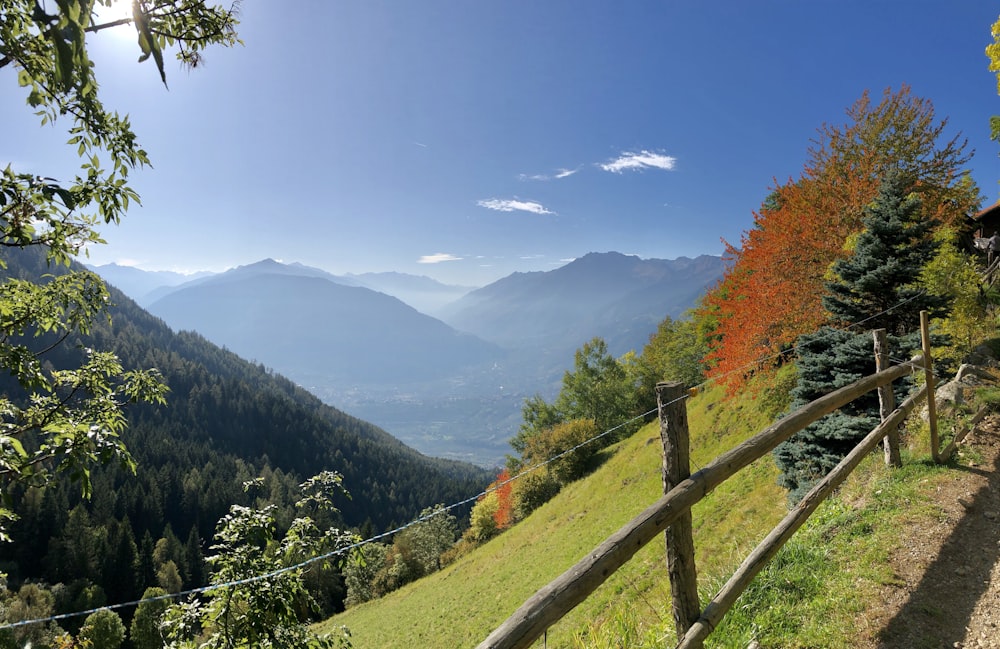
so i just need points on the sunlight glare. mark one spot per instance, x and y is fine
(116, 10)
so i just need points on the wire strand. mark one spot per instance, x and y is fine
(339, 551)
(378, 537)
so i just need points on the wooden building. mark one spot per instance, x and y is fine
(982, 225)
(986, 221)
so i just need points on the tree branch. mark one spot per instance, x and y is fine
(6, 59)
(113, 23)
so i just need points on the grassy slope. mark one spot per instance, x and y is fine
(460, 606)
(814, 594)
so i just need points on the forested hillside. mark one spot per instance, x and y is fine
(226, 421)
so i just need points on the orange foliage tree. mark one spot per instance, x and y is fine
(772, 290)
(504, 514)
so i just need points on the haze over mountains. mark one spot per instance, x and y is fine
(619, 297)
(138, 283)
(422, 293)
(453, 386)
(306, 326)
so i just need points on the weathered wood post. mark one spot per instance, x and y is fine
(670, 400)
(886, 400)
(925, 339)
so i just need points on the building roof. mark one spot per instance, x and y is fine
(988, 213)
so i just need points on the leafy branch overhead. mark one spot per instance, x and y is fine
(63, 412)
(993, 54)
(50, 54)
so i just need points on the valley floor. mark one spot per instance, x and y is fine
(946, 591)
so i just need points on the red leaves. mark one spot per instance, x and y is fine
(504, 515)
(772, 292)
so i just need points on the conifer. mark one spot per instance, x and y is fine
(875, 288)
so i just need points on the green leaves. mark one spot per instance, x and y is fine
(70, 418)
(600, 389)
(147, 43)
(993, 51)
(50, 52)
(260, 580)
(993, 54)
(66, 419)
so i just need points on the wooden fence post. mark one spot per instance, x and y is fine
(925, 339)
(886, 400)
(670, 400)
(552, 601)
(765, 551)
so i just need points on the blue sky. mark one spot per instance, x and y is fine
(468, 140)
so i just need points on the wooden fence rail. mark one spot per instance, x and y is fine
(561, 595)
(769, 547)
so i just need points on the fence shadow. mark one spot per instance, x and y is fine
(940, 607)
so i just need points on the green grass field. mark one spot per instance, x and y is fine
(808, 597)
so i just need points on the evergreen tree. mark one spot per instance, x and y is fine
(195, 560)
(118, 566)
(878, 285)
(145, 567)
(875, 288)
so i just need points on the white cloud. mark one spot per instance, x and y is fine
(509, 205)
(437, 258)
(642, 160)
(560, 173)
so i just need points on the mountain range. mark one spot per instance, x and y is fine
(420, 292)
(138, 283)
(620, 298)
(453, 386)
(305, 325)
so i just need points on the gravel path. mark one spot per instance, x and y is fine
(947, 590)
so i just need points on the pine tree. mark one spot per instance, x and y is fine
(118, 566)
(195, 560)
(878, 284)
(145, 568)
(875, 288)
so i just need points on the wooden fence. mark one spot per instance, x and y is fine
(671, 514)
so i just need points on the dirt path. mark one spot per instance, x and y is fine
(948, 572)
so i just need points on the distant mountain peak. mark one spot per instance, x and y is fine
(611, 254)
(269, 262)
(619, 297)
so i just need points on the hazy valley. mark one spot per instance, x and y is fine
(450, 386)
